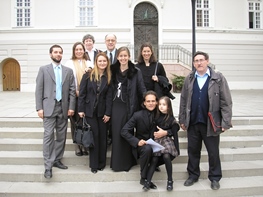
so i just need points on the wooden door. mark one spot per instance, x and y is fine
(145, 27)
(11, 76)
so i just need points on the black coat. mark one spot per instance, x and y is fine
(88, 96)
(135, 87)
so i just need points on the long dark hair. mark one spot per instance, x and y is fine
(140, 57)
(169, 114)
(73, 57)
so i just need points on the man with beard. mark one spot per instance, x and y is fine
(55, 100)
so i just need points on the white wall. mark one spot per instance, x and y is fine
(235, 50)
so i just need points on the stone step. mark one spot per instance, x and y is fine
(37, 132)
(36, 157)
(10, 144)
(230, 187)
(82, 173)
(37, 122)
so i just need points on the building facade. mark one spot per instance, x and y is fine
(231, 31)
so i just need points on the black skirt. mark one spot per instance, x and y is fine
(122, 158)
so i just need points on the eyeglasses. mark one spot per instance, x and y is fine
(197, 61)
(110, 40)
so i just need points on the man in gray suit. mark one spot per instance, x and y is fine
(55, 101)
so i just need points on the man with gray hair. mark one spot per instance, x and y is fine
(110, 41)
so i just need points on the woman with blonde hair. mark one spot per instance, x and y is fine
(95, 103)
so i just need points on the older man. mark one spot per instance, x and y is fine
(204, 92)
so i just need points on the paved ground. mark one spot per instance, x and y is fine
(246, 103)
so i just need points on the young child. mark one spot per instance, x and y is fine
(168, 138)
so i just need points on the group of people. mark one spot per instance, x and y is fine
(125, 106)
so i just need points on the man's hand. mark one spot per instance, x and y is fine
(40, 113)
(142, 143)
(183, 127)
(70, 112)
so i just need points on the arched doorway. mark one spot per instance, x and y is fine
(11, 75)
(145, 27)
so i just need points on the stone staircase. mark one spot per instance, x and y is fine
(21, 166)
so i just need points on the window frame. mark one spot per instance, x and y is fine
(203, 13)
(77, 14)
(255, 13)
(23, 15)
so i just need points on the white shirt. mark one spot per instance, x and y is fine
(202, 79)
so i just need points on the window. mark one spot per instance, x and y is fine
(254, 14)
(23, 16)
(86, 12)
(202, 13)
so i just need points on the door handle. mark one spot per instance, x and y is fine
(4, 76)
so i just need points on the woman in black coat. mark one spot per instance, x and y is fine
(153, 71)
(95, 104)
(127, 90)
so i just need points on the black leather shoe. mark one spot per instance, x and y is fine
(48, 173)
(60, 165)
(94, 171)
(79, 153)
(215, 185)
(146, 186)
(190, 182)
(152, 185)
(169, 185)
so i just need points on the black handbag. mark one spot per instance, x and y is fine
(83, 134)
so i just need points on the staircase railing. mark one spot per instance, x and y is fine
(170, 54)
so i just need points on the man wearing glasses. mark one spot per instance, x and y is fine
(204, 92)
(110, 41)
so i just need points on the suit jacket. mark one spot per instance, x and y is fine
(144, 128)
(89, 98)
(115, 56)
(45, 93)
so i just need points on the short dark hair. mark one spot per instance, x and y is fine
(201, 53)
(149, 92)
(88, 36)
(55, 46)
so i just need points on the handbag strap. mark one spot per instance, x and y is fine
(155, 71)
(85, 124)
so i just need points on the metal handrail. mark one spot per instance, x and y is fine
(170, 54)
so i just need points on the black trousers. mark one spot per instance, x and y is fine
(145, 155)
(97, 156)
(196, 134)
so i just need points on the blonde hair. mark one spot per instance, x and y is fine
(95, 71)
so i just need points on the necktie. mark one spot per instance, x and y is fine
(110, 58)
(58, 83)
